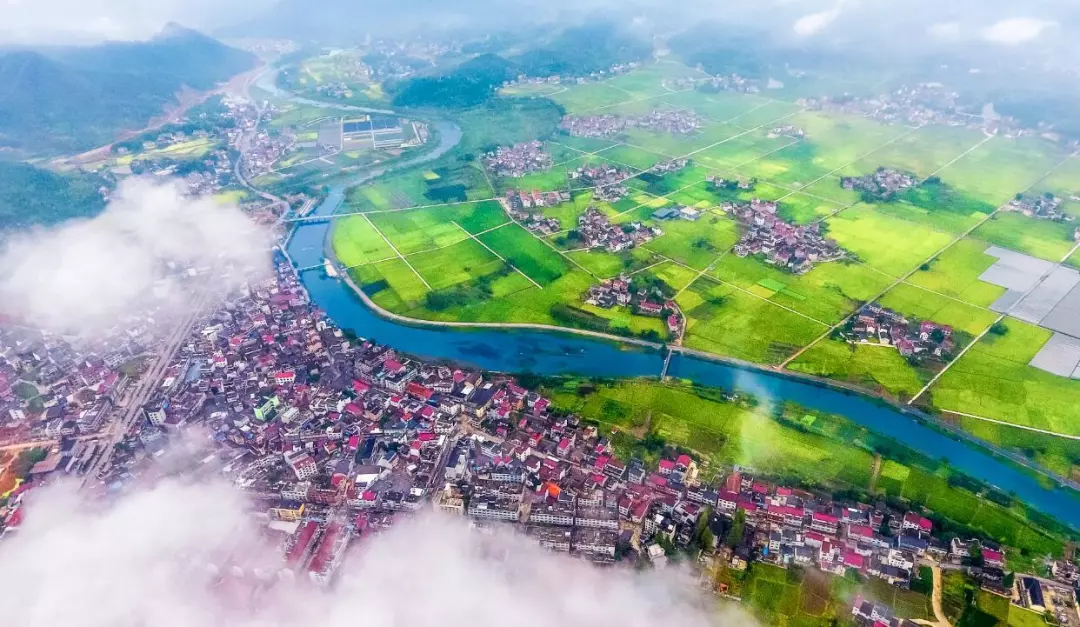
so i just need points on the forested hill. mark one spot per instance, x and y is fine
(583, 50)
(70, 99)
(30, 195)
(578, 51)
(468, 84)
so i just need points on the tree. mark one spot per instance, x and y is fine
(975, 553)
(707, 540)
(738, 529)
(1010, 578)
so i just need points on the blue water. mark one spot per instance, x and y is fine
(551, 353)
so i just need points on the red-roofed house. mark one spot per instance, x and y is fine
(917, 523)
(854, 560)
(285, 377)
(993, 559)
(666, 466)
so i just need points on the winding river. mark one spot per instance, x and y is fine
(551, 352)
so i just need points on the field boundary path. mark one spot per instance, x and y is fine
(501, 258)
(398, 253)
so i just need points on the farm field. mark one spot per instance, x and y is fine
(955, 273)
(425, 229)
(885, 243)
(827, 293)
(919, 303)
(724, 320)
(878, 368)
(1047, 240)
(994, 380)
(999, 169)
(695, 244)
(922, 153)
(356, 242)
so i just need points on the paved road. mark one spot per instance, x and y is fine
(131, 409)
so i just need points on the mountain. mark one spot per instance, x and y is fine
(471, 83)
(30, 195)
(71, 99)
(582, 50)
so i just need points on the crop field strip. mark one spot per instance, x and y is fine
(802, 191)
(905, 279)
(1000, 317)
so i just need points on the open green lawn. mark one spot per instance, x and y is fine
(917, 302)
(994, 380)
(886, 243)
(1001, 168)
(877, 368)
(1040, 238)
(356, 242)
(827, 293)
(723, 320)
(956, 273)
(696, 244)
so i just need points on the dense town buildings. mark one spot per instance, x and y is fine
(916, 339)
(671, 121)
(607, 181)
(790, 247)
(1042, 207)
(881, 185)
(518, 160)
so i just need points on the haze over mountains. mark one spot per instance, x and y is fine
(67, 99)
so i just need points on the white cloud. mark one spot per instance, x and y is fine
(145, 561)
(1017, 30)
(85, 275)
(813, 23)
(945, 30)
(34, 22)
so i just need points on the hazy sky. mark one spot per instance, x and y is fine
(1002, 22)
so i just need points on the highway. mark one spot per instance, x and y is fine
(129, 409)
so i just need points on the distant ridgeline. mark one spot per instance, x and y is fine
(30, 195)
(574, 52)
(59, 100)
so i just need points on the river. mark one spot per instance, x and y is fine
(552, 353)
